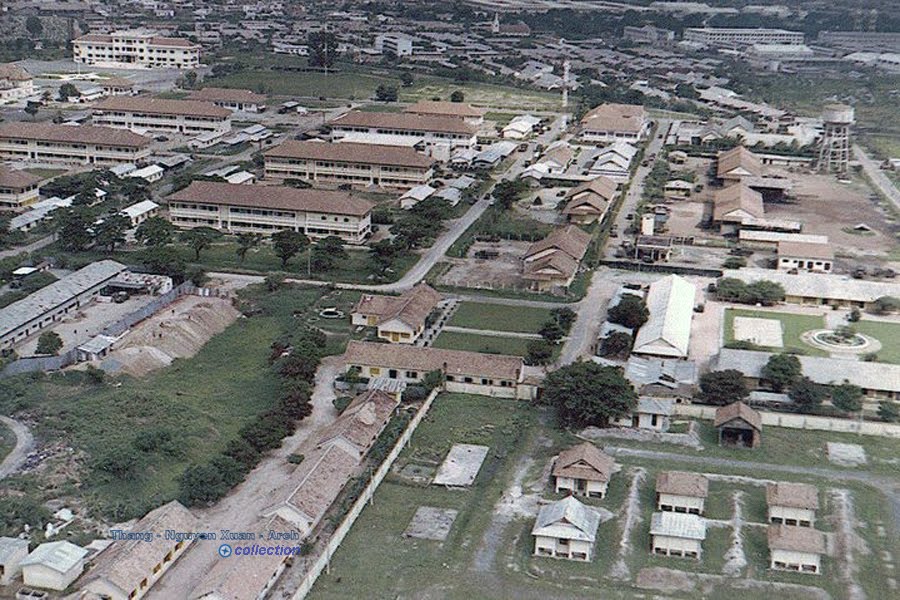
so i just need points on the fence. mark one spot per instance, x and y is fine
(322, 562)
(70, 357)
(630, 265)
(812, 422)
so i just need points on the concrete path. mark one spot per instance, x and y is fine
(877, 176)
(492, 333)
(889, 487)
(24, 445)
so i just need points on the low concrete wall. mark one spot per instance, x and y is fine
(793, 421)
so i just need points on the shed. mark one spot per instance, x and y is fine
(738, 425)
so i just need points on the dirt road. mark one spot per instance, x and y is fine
(24, 445)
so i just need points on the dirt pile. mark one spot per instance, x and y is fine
(178, 331)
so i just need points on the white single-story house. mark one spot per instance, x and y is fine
(53, 565)
(794, 548)
(677, 534)
(650, 413)
(12, 552)
(681, 492)
(566, 529)
(583, 470)
(792, 503)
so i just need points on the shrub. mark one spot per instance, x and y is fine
(341, 403)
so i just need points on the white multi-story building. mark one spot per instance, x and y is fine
(240, 208)
(728, 36)
(232, 99)
(64, 144)
(615, 122)
(357, 164)
(137, 48)
(181, 117)
(394, 43)
(400, 129)
(18, 189)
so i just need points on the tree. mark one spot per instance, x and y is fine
(617, 344)
(539, 352)
(199, 239)
(49, 342)
(552, 332)
(31, 109)
(807, 394)
(507, 192)
(854, 315)
(246, 242)
(382, 254)
(406, 79)
(457, 96)
(722, 387)
(188, 80)
(287, 244)
(34, 27)
(66, 91)
(888, 411)
(326, 253)
(782, 370)
(585, 393)
(111, 231)
(73, 229)
(386, 93)
(630, 312)
(322, 49)
(154, 232)
(885, 305)
(847, 397)
(565, 316)
(200, 485)
(164, 260)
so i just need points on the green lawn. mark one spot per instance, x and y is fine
(482, 94)
(453, 340)
(343, 84)
(201, 402)
(792, 326)
(886, 333)
(499, 317)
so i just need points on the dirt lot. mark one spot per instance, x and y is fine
(177, 331)
(827, 207)
(503, 271)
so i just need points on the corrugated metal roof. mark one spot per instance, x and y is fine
(668, 330)
(567, 518)
(680, 525)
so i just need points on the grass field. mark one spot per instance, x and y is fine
(487, 344)
(488, 553)
(201, 402)
(482, 94)
(498, 317)
(886, 333)
(792, 327)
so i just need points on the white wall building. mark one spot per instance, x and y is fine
(677, 491)
(566, 529)
(15, 83)
(667, 332)
(53, 565)
(136, 49)
(677, 534)
(47, 143)
(18, 189)
(436, 134)
(394, 43)
(179, 117)
(238, 208)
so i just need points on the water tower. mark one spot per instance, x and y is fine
(834, 151)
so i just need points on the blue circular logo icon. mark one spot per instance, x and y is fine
(225, 551)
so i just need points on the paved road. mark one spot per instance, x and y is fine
(33, 246)
(24, 444)
(879, 179)
(889, 487)
(591, 309)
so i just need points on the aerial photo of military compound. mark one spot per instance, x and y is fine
(537, 299)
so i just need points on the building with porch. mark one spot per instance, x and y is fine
(583, 470)
(566, 529)
(681, 492)
(792, 503)
(796, 548)
(398, 319)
